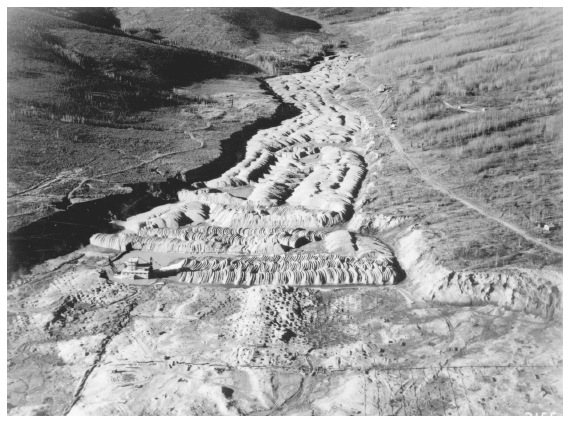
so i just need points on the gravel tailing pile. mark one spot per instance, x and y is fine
(303, 175)
(292, 269)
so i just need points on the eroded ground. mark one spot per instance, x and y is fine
(100, 348)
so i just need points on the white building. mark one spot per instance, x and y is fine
(134, 269)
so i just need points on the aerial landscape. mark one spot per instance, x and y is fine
(238, 211)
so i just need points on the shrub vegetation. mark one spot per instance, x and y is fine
(477, 94)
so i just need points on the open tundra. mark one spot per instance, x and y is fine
(278, 289)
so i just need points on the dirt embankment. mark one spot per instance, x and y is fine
(530, 291)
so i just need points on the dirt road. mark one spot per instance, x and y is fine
(439, 187)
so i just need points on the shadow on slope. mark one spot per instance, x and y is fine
(102, 17)
(218, 28)
(112, 53)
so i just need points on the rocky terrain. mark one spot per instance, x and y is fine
(284, 288)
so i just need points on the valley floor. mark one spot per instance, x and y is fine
(335, 308)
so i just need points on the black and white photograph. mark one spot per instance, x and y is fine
(237, 210)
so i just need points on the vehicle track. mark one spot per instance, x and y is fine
(439, 187)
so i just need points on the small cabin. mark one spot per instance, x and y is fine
(136, 268)
(548, 227)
